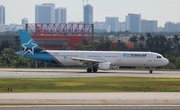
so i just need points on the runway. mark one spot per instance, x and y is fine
(65, 73)
(87, 101)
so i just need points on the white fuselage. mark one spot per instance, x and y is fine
(121, 58)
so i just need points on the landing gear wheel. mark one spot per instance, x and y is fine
(150, 71)
(94, 70)
(89, 70)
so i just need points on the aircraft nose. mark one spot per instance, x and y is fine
(166, 61)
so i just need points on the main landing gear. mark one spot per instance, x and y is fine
(150, 71)
(94, 69)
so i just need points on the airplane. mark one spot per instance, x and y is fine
(94, 60)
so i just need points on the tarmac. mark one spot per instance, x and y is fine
(64, 73)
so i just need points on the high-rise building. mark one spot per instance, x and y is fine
(101, 27)
(24, 21)
(88, 14)
(60, 15)
(160, 29)
(170, 27)
(2, 27)
(45, 13)
(149, 26)
(133, 22)
(122, 26)
(178, 26)
(113, 22)
(2, 14)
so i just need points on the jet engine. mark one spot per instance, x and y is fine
(105, 66)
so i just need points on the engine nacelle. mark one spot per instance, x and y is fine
(114, 67)
(79, 62)
(104, 66)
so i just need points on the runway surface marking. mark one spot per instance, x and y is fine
(34, 100)
(103, 101)
(166, 101)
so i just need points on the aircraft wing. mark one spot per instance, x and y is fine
(87, 60)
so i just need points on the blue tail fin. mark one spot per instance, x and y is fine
(28, 44)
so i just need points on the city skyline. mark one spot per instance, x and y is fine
(162, 11)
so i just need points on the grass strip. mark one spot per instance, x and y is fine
(98, 84)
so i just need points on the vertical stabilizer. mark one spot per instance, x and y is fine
(28, 44)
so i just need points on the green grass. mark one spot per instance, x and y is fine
(99, 84)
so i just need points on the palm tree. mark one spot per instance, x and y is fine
(65, 46)
(141, 39)
(133, 39)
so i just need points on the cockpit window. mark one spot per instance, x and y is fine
(159, 57)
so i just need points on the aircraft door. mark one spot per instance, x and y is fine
(149, 57)
(119, 57)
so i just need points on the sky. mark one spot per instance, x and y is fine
(161, 10)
